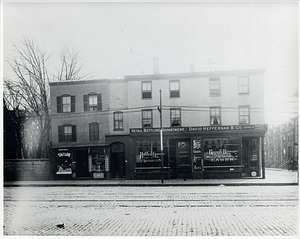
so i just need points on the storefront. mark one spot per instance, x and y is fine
(81, 162)
(199, 152)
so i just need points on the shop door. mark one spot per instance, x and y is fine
(250, 158)
(81, 159)
(184, 158)
(117, 159)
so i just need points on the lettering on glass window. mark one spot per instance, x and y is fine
(146, 90)
(215, 116)
(147, 118)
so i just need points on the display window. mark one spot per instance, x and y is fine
(221, 152)
(64, 163)
(98, 162)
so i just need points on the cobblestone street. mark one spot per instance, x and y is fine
(153, 211)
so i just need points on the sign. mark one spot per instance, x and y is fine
(198, 129)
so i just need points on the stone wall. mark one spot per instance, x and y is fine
(26, 169)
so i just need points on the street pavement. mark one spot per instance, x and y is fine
(272, 177)
(212, 210)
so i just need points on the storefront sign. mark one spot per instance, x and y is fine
(64, 154)
(197, 129)
(222, 155)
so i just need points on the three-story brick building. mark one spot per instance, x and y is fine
(213, 126)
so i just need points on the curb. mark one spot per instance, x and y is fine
(152, 185)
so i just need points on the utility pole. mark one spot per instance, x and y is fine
(161, 138)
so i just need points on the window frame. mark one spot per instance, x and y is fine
(212, 91)
(61, 106)
(118, 122)
(211, 120)
(145, 92)
(243, 86)
(144, 119)
(242, 107)
(67, 137)
(94, 134)
(174, 117)
(92, 107)
(174, 92)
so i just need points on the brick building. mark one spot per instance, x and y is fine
(281, 144)
(213, 126)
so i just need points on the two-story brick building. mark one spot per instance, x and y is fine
(213, 126)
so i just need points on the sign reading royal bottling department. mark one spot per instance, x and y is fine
(197, 129)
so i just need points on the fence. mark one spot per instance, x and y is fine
(26, 169)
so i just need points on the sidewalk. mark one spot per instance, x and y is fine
(274, 177)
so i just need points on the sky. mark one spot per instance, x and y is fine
(115, 39)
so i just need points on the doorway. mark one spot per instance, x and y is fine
(250, 157)
(117, 160)
(81, 159)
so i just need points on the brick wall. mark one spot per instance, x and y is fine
(26, 169)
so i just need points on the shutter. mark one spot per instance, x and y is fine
(59, 104)
(74, 138)
(73, 103)
(85, 103)
(60, 134)
(99, 96)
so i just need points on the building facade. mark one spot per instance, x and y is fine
(212, 126)
(281, 144)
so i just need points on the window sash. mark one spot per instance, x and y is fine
(68, 133)
(66, 103)
(146, 90)
(118, 120)
(175, 117)
(244, 115)
(147, 118)
(214, 87)
(215, 116)
(94, 131)
(243, 85)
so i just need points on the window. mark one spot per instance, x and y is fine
(146, 90)
(147, 118)
(174, 89)
(94, 131)
(65, 103)
(118, 120)
(244, 115)
(67, 133)
(175, 117)
(215, 115)
(214, 87)
(244, 85)
(92, 102)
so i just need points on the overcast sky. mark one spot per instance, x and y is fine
(118, 39)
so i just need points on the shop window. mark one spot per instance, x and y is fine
(65, 103)
(174, 89)
(214, 87)
(98, 162)
(64, 163)
(244, 114)
(67, 133)
(243, 85)
(147, 118)
(175, 117)
(146, 90)
(118, 120)
(92, 102)
(215, 116)
(221, 152)
(94, 131)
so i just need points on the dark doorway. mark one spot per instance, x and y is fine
(250, 157)
(81, 159)
(117, 160)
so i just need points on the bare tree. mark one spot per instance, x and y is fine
(32, 86)
(70, 68)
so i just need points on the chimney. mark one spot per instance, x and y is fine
(155, 66)
(191, 68)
